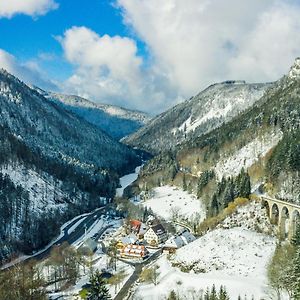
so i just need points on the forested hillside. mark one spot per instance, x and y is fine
(53, 166)
(199, 115)
(263, 143)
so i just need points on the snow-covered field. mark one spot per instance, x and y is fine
(126, 180)
(247, 156)
(236, 258)
(167, 200)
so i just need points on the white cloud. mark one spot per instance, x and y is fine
(268, 50)
(9, 8)
(28, 72)
(191, 44)
(198, 42)
(109, 70)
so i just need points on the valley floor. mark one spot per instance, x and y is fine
(234, 254)
(235, 258)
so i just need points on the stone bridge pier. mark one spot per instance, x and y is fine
(283, 214)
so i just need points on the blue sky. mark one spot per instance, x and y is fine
(30, 38)
(146, 54)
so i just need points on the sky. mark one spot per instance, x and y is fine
(146, 54)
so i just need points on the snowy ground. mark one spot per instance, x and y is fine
(126, 180)
(167, 199)
(100, 260)
(236, 258)
(251, 216)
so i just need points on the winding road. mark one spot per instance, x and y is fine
(138, 267)
(70, 238)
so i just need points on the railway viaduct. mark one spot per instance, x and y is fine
(283, 214)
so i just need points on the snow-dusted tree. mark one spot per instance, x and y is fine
(295, 276)
(223, 295)
(296, 238)
(279, 269)
(98, 290)
(172, 296)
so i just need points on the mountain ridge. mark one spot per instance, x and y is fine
(196, 116)
(116, 121)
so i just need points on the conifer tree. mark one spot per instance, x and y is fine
(223, 295)
(184, 185)
(98, 290)
(213, 294)
(295, 276)
(172, 296)
(296, 238)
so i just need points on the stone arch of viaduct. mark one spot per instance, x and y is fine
(283, 214)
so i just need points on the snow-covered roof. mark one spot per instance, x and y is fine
(187, 237)
(129, 239)
(180, 240)
(175, 242)
(89, 244)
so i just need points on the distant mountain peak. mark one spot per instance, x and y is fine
(116, 121)
(295, 69)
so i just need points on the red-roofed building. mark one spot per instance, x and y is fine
(135, 225)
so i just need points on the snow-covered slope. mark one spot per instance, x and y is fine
(245, 157)
(215, 105)
(116, 121)
(233, 255)
(43, 189)
(263, 140)
(54, 131)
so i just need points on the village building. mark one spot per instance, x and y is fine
(127, 240)
(155, 235)
(138, 227)
(178, 241)
(134, 251)
(135, 225)
(172, 244)
(187, 237)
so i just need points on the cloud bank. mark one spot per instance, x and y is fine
(34, 8)
(108, 69)
(197, 42)
(28, 72)
(191, 44)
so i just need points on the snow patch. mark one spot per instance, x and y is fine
(9, 94)
(126, 180)
(295, 70)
